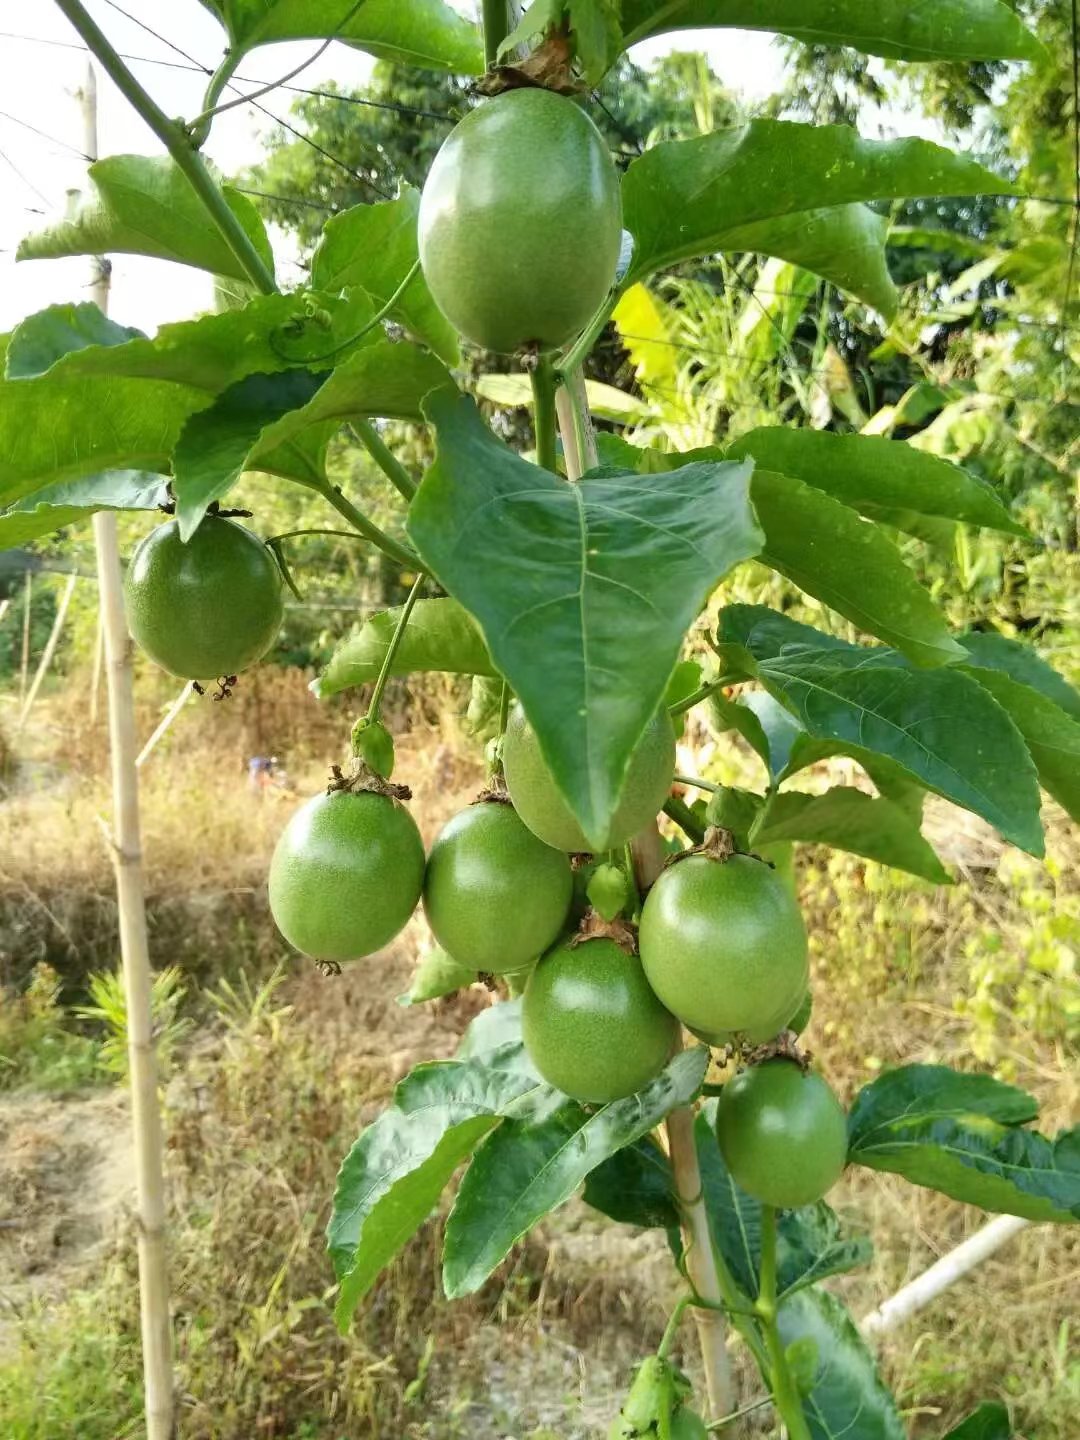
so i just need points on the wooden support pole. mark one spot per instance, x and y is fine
(49, 651)
(24, 665)
(134, 949)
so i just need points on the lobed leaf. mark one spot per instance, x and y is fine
(990, 651)
(145, 205)
(989, 1422)
(73, 502)
(534, 1163)
(583, 592)
(1051, 735)
(847, 819)
(374, 247)
(848, 1397)
(961, 1135)
(940, 727)
(884, 480)
(426, 33)
(395, 1172)
(685, 198)
(896, 29)
(440, 635)
(635, 1186)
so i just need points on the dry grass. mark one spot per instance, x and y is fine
(263, 1111)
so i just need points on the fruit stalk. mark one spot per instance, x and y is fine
(375, 704)
(543, 388)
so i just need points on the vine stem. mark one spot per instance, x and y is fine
(543, 388)
(685, 818)
(702, 693)
(384, 458)
(370, 531)
(178, 144)
(785, 1393)
(375, 703)
(496, 28)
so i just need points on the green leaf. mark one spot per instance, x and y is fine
(145, 205)
(42, 339)
(685, 198)
(538, 17)
(847, 819)
(425, 33)
(883, 479)
(828, 551)
(211, 453)
(251, 425)
(123, 406)
(847, 1398)
(939, 726)
(809, 1243)
(440, 635)
(395, 1172)
(989, 1422)
(635, 1187)
(763, 723)
(72, 502)
(1051, 736)
(850, 565)
(962, 1135)
(531, 1165)
(583, 592)
(437, 974)
(597, 35)
(492, 1032)
(374, 247)
(896, 29)
(989, 651)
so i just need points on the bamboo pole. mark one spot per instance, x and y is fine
(943, 1273)
(49, 651)
(5, 606)
(24, 666)
(580, 454)
(165, 725)
(99, 665)
(134, 950)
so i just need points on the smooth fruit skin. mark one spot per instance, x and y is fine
(208, 608)
(540, 803)
(783, 1133)
(346, 874)
(521, 222)
(724, 945)
(592, 1026)
(495, 896)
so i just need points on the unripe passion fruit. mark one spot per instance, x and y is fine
(782, 1133)
(724, 946)
(592, 1026)
(206, 608)
(521, 222)
(346, 874)
(495, 896)
(540, 803)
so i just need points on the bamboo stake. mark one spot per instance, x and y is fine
(49, 651)
(24, 666)
(134, 952)
(166, 723)
(579, 451)
(99, 665)
(5, 605)
(943, 1273)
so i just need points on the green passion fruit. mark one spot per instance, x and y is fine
(206, 608)
(592, 1027)
(521, 222)
(540, 803)
(782, 1133)
(346, 874)
(724, 946)
(495, 896)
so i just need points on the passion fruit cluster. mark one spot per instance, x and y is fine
(720, 948)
